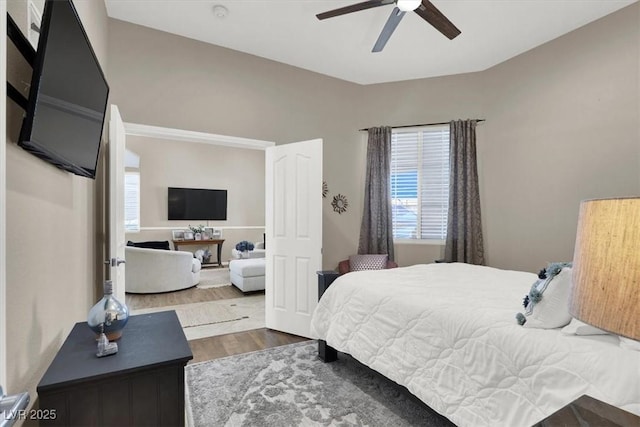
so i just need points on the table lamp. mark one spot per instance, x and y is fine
(606, 266)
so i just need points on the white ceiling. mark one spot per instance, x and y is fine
(287, 31)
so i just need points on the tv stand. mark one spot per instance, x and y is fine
(204, 242)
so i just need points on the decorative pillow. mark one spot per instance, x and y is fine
(244, 246)
(547, 304)
(577, 327)
(368, 262)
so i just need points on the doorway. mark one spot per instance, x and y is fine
(178, 158)
(298, 187)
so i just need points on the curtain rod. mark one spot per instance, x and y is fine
(424, 124)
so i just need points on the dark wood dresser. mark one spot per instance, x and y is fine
(586, 411)
(141, 385)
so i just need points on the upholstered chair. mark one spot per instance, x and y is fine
(365, 262)
(154, 270)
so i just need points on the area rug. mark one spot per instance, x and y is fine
(214, 278)
(290, 386)
(207, 319)
(205, 313)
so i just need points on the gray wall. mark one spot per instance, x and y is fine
(165, 163)
(53, 233)
(165, 80)
(562, 125)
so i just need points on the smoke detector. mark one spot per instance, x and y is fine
(220, 11)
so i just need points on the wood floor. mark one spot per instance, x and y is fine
(221, 345)
(239, 342)
(186, 296)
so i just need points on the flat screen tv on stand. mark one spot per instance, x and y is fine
(196, 204)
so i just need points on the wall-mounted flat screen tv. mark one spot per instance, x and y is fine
(68, 94)
(196, 204)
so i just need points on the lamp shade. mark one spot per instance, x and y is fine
(408, 5)
(606, 266)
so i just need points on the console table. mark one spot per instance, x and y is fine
(142, 384)
(207, 242)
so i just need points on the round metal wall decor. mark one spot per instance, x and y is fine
(340, 203)
(325, 189)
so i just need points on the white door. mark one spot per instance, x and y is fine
(117, 142)
(293, 221)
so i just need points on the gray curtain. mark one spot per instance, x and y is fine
(464, 225)
(376, 233)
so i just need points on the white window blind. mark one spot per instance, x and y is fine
(420, 182)
(132, 201)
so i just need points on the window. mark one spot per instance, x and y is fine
(132, 201)
(420, 182)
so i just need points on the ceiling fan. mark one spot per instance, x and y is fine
(424, 8)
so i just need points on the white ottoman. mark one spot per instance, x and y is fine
(247, 274)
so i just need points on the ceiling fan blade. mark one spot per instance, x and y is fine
(389, 28)
(353, 8)
(433, 16)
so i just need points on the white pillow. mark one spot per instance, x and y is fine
(552, 311)
(576, 327)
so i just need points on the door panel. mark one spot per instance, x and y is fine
(293, 234)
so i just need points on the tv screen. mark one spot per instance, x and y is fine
(195, 203)
(68, 95)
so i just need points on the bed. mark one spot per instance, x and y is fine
(447, 332)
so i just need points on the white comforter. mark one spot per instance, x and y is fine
(448, 333)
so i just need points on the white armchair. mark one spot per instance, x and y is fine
(155, 270)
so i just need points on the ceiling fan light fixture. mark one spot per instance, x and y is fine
(408, 5)
(220, 11)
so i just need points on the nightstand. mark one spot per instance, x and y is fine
(325, 279)
(586, 411)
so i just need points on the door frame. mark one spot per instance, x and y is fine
(159, 132)
(173, 134)
(3, 197)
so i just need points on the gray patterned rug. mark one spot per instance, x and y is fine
(290, 386)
